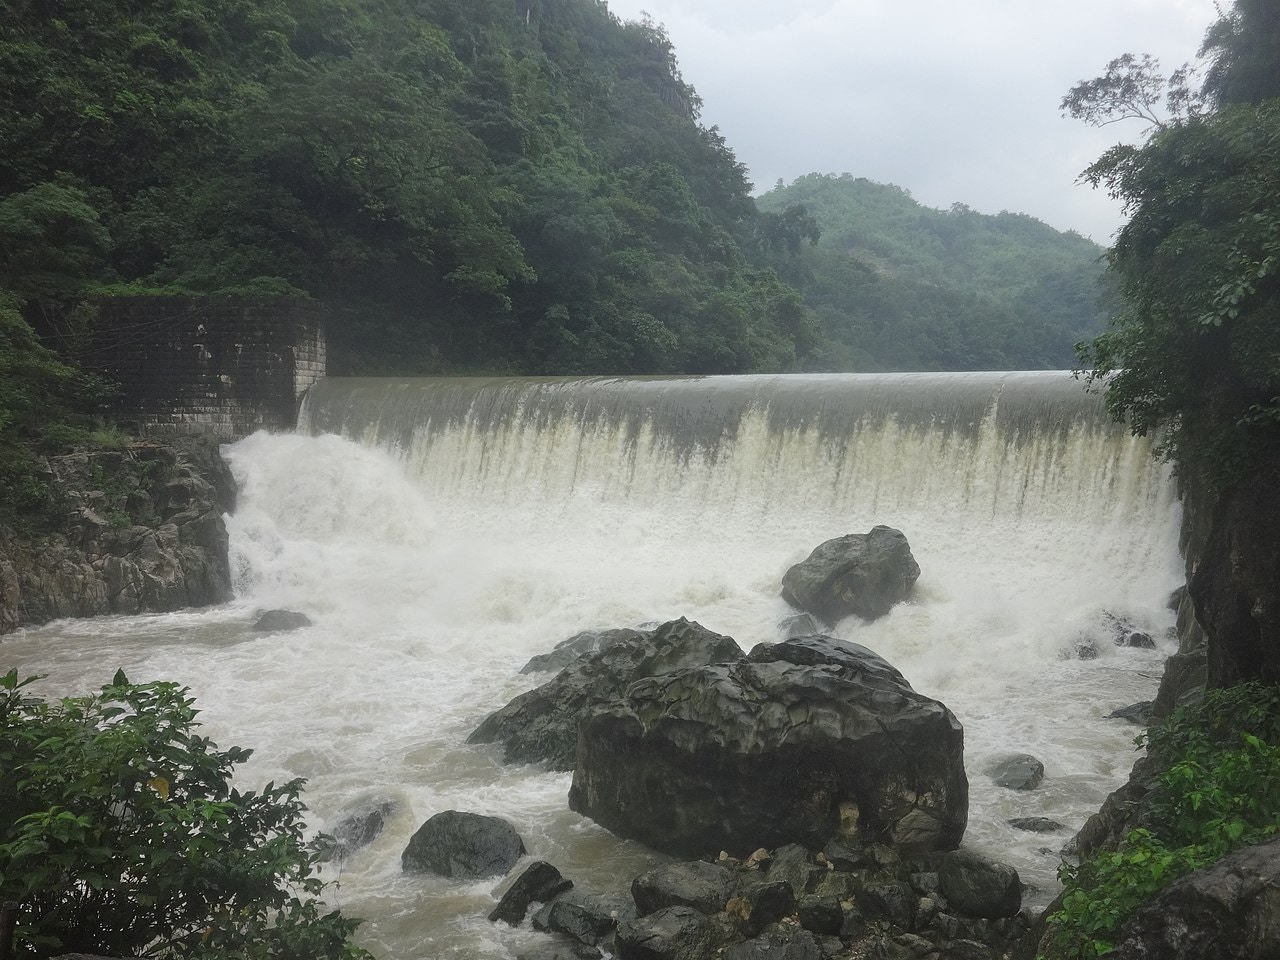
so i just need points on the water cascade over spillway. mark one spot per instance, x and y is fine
(440, 532)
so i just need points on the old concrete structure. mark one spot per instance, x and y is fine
(220, 366)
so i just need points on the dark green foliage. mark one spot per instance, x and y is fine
(1194, 347)
(899, 286)
(121, 835)
(1219, 762)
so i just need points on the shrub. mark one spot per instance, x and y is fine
(120, 834)
(1220, 762)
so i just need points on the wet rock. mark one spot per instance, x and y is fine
(540, 882)
(893, 901)
(1019, 772)
(1137, 713)
(468, 846)
(800, 625)
(795, 865)
(584, 917)
(822, 915)
(673, 933)
(794, 944)
(1227, 911)
(863, 574)
(706, 887)
(559, 951)
(1035, 824)
(978, 886)
(356, 829)
(542, 725)
(274, 620)
(763, 904)
(806, 740)
(581, 645)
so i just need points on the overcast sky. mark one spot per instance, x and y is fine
(955, 100)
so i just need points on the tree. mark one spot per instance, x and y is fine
(120, 834)
(1194, 347)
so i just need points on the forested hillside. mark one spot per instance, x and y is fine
(469, 184)
(900, 286)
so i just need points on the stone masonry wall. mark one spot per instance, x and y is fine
(219, 367)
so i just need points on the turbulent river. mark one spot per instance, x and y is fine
(440, 532)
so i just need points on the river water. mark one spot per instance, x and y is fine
(441, 532)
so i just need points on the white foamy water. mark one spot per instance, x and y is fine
(461, 527)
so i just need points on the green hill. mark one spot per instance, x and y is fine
(897, 285)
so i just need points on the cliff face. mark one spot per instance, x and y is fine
(1236, 585)
(144, 532)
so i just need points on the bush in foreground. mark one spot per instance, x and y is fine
(1216, 793)
(120, 834)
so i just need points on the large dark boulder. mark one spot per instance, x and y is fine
(280, 620)
(580, 645)
(542, 725)
(464, 845)
(1017, 772)
(587, 918)
(978, 886)
(803, 741)
(862, 573)
(1227, 911)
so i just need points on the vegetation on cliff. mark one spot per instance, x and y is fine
(1214, 793)
(1193, 352)
(1194, 348)
(120, 834)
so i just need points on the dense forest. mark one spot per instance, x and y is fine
(899, 286)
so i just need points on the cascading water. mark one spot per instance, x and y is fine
(440, 532)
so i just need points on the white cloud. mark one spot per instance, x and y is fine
(954, 101)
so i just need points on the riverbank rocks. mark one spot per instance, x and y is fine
(859, 573)
(805, 740)
(978, 886)
(143, 531)
(542, 725)
(1230, 909)
(799, 904)
(463, 845)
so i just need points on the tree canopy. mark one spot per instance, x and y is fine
(1194, 347)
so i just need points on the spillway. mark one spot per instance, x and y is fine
(440, 532)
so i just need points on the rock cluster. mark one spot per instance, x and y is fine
(795, 903)
(144, 532)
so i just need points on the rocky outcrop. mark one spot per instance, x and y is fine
(144, 532)
(859, 573)
(1227, 911)
(463, 845)
(1236, 586)
(803, 741)
(542, 725)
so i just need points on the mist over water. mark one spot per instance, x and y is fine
(441, 532)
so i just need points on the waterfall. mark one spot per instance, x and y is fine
(442, 531)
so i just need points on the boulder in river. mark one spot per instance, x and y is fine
(540, 882)
(542, 725)
(978, 886)
(803, 741)
(1019, 772)
(859, 573)
(279, 620)
(468, 846)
